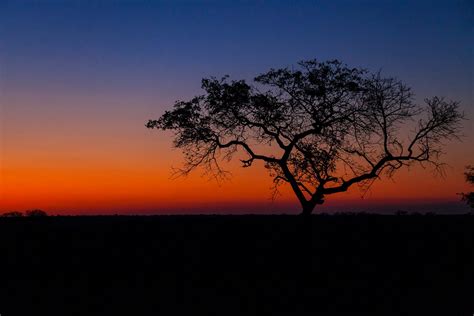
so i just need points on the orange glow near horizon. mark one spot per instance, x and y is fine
(98, 164)
(102, 170)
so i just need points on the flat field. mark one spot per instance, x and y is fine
(245, 265)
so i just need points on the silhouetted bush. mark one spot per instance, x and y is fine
(401, 213)
(36, 213)
(469, 197)
(348, 213)
(12, 214)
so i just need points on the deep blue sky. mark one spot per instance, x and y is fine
(135, 44)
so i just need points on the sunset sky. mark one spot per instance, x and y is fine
(79, 79)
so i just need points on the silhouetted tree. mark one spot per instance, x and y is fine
(36, 213)
(12, 214)
(320, 127)
(469, 197)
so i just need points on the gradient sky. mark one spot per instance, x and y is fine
(78, 80)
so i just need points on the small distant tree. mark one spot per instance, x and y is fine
(36, 213)
(12, 214)
(320, 127)
(469, 197)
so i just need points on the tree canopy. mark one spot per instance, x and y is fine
(328, 127)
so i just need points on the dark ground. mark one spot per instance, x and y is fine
(246, 265)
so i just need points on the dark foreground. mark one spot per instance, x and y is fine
(246, 265)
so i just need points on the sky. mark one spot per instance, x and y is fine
(79, 79)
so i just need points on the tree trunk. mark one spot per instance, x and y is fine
(309, 206)
(308, 209)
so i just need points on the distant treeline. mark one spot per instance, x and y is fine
(29, 213)
(41, 213)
